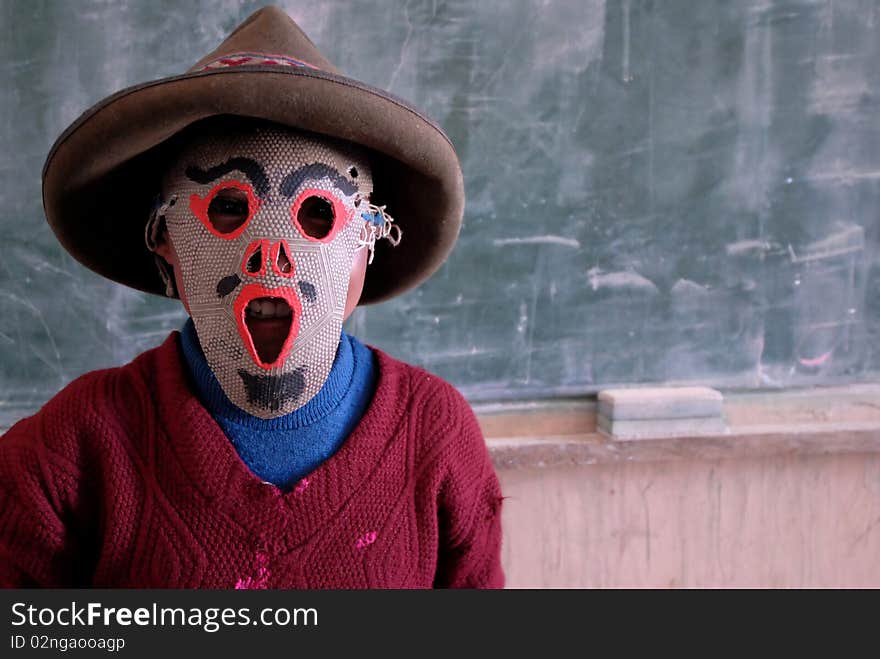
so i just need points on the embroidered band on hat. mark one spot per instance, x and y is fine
(256, 59)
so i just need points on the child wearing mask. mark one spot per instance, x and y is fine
(261, 446)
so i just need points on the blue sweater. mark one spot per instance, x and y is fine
(283, 450)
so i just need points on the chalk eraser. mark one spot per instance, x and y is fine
(660, 403)
(646, 412)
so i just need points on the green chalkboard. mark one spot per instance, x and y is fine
(658, 191)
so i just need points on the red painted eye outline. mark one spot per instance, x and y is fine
(200, 205)
(341, 215)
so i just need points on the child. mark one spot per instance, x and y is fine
(261, 447)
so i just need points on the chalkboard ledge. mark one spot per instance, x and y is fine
(820, 421)
(816, 421)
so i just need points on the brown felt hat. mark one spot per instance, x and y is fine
(102, 175)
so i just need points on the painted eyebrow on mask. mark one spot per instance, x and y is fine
(317, 170)
(250, 168)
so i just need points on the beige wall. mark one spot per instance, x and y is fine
(762, 521)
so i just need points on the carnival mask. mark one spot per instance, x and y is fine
(266, 222)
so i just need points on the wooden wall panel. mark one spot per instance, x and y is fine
(778, 521)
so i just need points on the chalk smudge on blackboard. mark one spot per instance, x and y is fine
(620, 281)
(627, 76)
(537, 240)
(849, 239)
(687, 287)
(747, 246)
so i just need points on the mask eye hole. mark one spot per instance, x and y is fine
(319, 215)
(315, 217)
(228, 210)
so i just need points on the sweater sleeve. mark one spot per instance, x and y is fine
(41, 500)
(469, 506)
(32, 535)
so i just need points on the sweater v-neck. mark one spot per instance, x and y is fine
(216, 470)
(283, 449)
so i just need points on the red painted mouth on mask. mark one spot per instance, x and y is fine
(268, 322)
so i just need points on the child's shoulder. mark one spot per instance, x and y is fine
(90, 405)
(436, 413)
(422, 387)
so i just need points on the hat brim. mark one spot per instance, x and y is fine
(102, 174)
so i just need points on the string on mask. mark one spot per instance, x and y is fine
(378, 225)
(151, 238)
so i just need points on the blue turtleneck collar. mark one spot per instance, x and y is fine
(284, 449)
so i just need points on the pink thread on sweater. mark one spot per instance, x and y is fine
(301, 486)
(261, 581)
(366, 539)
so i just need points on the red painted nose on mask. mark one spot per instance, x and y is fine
(267, 314)
(262, 254)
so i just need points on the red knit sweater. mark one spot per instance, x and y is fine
(124, 480)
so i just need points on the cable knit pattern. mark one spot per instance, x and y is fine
(124, 480)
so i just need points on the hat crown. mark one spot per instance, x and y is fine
(100, 178)
(267, 33)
